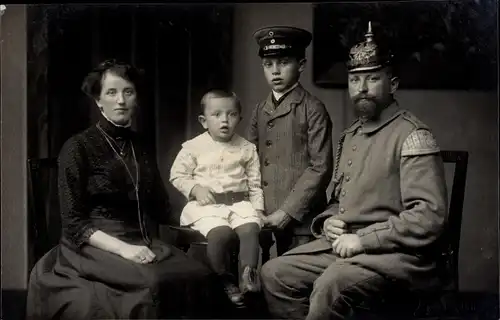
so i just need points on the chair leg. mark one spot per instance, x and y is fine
(266, 243)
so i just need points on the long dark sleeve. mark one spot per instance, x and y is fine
(73, 198)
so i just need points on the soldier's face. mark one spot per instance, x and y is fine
(282, 72)
(220, 118)
(371, 92)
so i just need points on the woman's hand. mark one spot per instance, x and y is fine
(139, 254)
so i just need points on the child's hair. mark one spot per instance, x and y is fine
(219, 93)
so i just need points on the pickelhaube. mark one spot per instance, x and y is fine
(282, 41)
(367, 55)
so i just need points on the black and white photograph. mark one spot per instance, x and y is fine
(250, 160)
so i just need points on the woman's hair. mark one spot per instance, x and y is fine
(219, 93)
(92, 84)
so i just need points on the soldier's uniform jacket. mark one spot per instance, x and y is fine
(390, 189)
(294, 142)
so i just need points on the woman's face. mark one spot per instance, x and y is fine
(118, 98)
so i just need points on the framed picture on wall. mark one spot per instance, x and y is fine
(436, 44)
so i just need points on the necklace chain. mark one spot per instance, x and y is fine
(107, 137)
(119, 155)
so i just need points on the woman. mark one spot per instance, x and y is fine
(107, 264)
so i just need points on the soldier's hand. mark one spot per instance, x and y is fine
(347, 245)
(203, 195)
(334, 228)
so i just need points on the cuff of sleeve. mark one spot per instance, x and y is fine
(289, 216)
(187, 188)
(317, 227)
(292, 213)
(84, 236)
(369, 240)
(258, 206)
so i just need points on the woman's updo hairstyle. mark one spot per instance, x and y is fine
(92, 84)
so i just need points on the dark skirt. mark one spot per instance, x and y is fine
(95, 284)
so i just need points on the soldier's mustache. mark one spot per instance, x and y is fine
(363, 96)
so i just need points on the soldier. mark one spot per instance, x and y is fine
(293, 132)
(388, 208)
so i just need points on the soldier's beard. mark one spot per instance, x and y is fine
(366, 108)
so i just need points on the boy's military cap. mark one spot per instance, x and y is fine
(282, 41)
(367, 55)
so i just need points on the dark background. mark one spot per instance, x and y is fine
(436, 44)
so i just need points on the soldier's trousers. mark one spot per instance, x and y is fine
(317, 286)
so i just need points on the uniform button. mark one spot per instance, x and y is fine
(264, 183)
(343, 192)
(270, 125)
(266, 162)
(354, 148)
(342, 210)
(349, 163)
(347, 178)
(268, 143)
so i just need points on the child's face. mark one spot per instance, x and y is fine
(282, 72)
(220, 118)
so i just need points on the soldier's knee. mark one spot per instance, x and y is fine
(332, 283)
(272, 273)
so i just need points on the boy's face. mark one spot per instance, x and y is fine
(220, 118)
(282, 72)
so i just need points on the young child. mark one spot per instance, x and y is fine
(293, 134)
(219, 173)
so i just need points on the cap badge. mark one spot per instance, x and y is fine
(271, 33)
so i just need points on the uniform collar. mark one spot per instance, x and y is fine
(278, 95)
(293, 97)
(386, 116)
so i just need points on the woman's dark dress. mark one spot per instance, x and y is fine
(77, 281)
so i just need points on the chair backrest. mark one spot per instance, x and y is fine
(43, 206)
(451, 236)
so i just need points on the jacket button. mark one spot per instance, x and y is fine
(268, 143)
(266, 162)
(270, 125)
(354, 148)
(264, 183)
(347, 178)
(349, 163)
(343, 192)
(342, 210)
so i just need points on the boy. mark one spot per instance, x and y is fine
(293, 134)
(219, 173)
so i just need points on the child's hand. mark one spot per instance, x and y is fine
(203, 195)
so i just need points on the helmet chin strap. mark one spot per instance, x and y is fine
(114, 123)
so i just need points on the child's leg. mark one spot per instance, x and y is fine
(221, 238)
(221, 241)
(248, 234)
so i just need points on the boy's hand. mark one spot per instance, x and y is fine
(203, 195)
(262, 216)
(278, 219)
